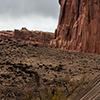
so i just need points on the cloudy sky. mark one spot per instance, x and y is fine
(33, 14)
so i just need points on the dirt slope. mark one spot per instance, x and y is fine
(31, 72)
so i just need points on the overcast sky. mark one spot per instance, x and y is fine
(33, 14)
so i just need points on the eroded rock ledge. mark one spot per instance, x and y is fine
(27, 36)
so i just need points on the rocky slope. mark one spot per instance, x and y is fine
(79, 26)
(32, 72)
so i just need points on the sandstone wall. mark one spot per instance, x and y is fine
(79, 26)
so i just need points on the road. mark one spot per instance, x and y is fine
(93, 94)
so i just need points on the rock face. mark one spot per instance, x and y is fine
(79, 26)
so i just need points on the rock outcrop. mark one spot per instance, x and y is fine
(79, 26)
(34, 37)
(6, 34)
(37, 37)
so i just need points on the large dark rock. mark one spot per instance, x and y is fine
(79, 26)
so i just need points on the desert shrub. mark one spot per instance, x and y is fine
(28, 96)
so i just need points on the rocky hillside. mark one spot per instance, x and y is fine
(79, 26)
(32, 72)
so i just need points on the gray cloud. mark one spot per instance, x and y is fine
(33, 14)
(29, 7)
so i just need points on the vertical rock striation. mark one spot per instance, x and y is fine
(79, 26)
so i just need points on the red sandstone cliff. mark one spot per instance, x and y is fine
(79, 26)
